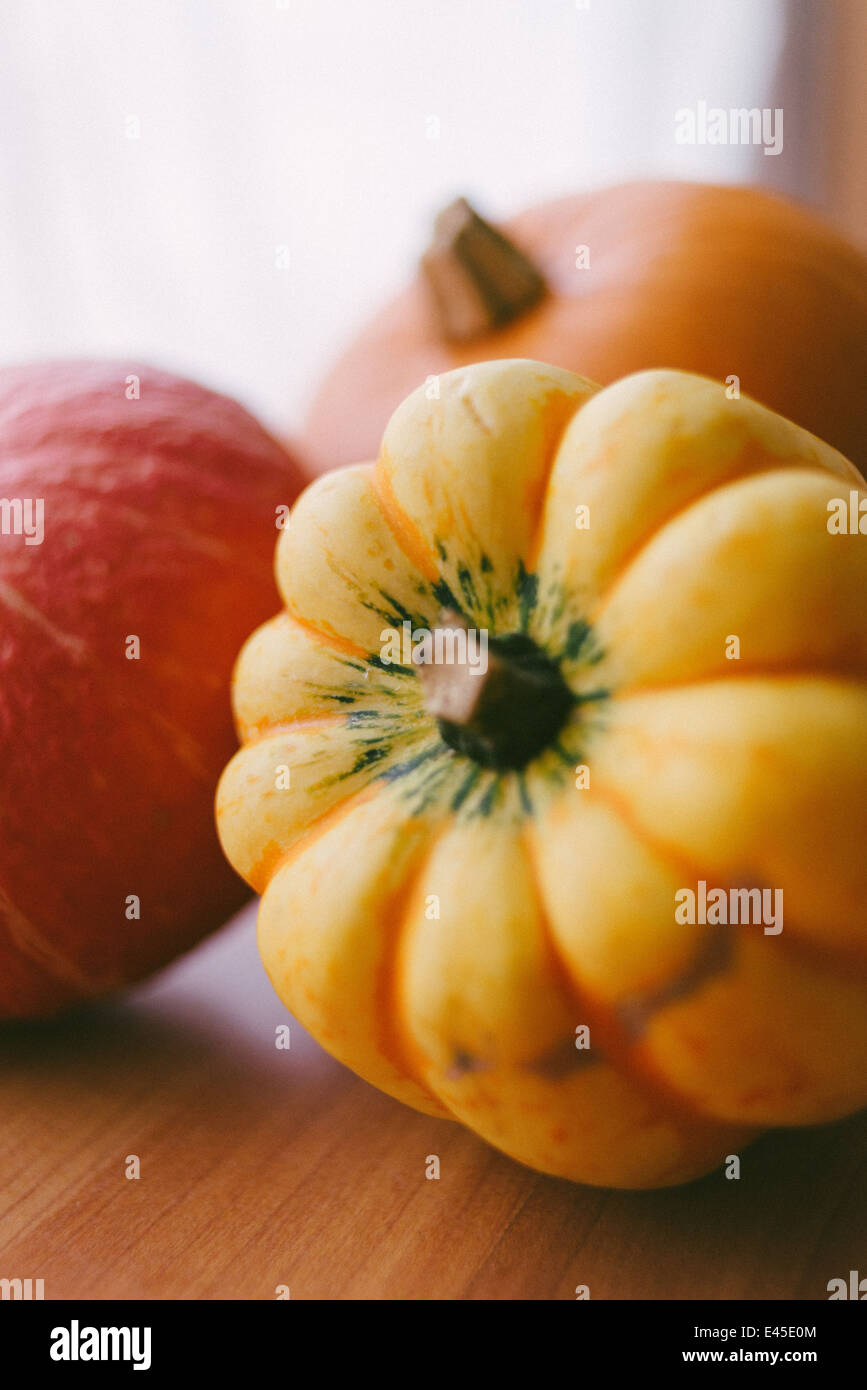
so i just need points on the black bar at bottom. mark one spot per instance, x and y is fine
(159, 1339)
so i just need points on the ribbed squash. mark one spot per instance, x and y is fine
(447, 904)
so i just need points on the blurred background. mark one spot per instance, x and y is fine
(229, 187)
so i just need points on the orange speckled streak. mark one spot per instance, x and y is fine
(403, 528)
(276, 858)
(333, 639)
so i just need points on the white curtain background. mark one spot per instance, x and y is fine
(227, 187)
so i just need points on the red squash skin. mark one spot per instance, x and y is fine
(160, 521)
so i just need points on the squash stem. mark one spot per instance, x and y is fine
(478, 279)
(505, 715)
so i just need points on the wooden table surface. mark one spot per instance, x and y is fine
(262, 1167)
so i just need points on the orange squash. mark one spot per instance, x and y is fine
(462, 870)
(722, 281)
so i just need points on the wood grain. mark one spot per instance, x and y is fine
(262, 1167)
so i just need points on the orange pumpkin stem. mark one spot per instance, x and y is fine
(478, 279)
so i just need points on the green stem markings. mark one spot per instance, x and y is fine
(519, 711)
